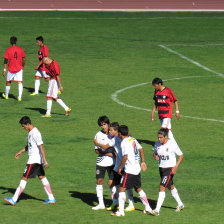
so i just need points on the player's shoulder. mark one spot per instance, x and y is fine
(100, 134)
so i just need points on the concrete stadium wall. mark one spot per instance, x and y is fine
(129, 5)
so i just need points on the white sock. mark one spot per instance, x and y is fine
(144, 200)
(130, 197)
(161, 198)
(49, 105)
(175, 195)
(170, 136)
(99, 193)
(113, 195)
(20, 87)
(62, 104)
(122, 199)
(7, 89)
(37, 86)
(47, 188)
(19, 190)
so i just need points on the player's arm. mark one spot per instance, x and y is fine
(143, 164)
(21, 152)
(153, 112)
(123, 161)
(5, 66)
(155, 156)
(177, 110)
(39, 64)
(174, 170)
(23, 61)
(42, 151)
(59, 83)
(101, 145)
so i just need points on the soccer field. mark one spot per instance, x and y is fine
(108, 61)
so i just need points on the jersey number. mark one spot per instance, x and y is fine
(15, 55)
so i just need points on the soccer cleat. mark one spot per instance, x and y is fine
(68, 111)
(118, 213)
(59, 92)
(9, 201)
(112, 207)
(147, 212)
(155, 212)
(19, 99)
(98, 207)
(46, 115)
(48, 201)
(34, 94)
(179, 208)
(130, 209)
(5, 97)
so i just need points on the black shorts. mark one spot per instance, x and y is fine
(166, 177)
(101, 170)
(33, 170)
(117, 178)
(129, 181)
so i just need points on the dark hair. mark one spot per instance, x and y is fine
(40, 38)
(25, 120)
(123, 129)
(103, 119)
(163, 131)
(114, 125)
(157, 81)
(13, 40)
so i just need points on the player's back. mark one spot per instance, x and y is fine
(14, 55)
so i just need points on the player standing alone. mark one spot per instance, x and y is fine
(15, 58)
(40, 68)
(165, 151)
(34, 167)
(53, 70)
(164, 98)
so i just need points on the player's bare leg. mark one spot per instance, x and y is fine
(7, 89)
(62, 104)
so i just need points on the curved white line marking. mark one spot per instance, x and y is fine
(115, 94)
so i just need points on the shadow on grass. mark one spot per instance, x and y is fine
(23, 196)
(10, 96)
(31, 90)
(148, 142)
(41, 110)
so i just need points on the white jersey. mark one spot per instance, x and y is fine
(34, 140)
(131, 147)
(167, 153)
(102, 160)
(116, 143)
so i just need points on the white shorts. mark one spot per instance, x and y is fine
(53, 89)
(41, 74)
(166, 123)
(17, 77)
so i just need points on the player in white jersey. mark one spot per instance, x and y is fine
(165, 152)
(34, 167)
(116, 144)
(131, 178)
(105, 161)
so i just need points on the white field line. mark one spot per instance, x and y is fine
(191, 61)
(115, 99)
(195, 45)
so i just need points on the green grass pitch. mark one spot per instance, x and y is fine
(100, 53)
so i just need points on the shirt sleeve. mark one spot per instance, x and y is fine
(6, 54)
(57, 69)
(23, 54)
(138, 146)
(38, 138)
(172, 97)
(112, 142)
(124, 149)
(177, 150)
(155, 147)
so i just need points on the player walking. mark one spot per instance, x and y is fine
(34, 167)
(15, 58)
(53, 70)
(131, 178)
(165, 151)
(105, 162)
(40, 68)
(115, 142)
(164, 98)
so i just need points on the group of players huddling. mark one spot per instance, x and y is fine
(47, 68)
(119, 154)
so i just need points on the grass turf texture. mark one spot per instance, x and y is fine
(100, 53)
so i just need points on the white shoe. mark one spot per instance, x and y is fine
(98, 207)
(155, 212)
(179, 208)
(118, 213)
(147, 212)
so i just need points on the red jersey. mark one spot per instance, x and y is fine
(14, 55)
(53, 69)
(163, 100)
(43, 52)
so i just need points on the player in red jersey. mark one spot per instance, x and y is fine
(53, 70)
(40, 68)
(164, 98)
(15, 58)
